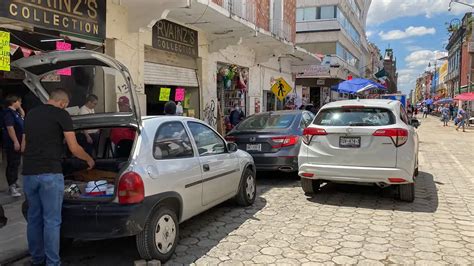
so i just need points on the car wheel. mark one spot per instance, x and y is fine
(247, 190)
(310, 186)
(406, 192)
(159, 238)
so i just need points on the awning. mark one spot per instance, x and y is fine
(467, 96)
(357, 85)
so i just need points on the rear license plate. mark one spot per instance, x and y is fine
(349, 142)
(254, 147)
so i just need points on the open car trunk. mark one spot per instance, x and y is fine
(101, 182)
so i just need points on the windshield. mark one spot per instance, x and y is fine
(267, 121)
(355, 117)
(92, 89)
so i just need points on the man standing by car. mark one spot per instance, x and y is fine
(46, 128)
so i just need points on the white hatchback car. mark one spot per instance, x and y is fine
(162, 171)
(360, 141)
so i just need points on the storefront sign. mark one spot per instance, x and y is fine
(175, 38)
(281, 89)
(312, 71)
(4, 51)
(165, 94)
(179, 94)
(64, 46)
(84, 17)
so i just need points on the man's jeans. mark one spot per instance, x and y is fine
(45, 198)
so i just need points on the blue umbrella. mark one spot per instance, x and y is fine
(428, 101)
(444, 100)
(357, 85)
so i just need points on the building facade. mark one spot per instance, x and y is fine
(390, 66)
(334, 29)
(209, 55)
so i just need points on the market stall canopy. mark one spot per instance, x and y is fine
(444, 100)
(357, 85)
(467, 96)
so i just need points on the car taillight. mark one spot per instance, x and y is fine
(230, 138)
(309, 132)
(399, 136)
(131, 189)
(284, 141)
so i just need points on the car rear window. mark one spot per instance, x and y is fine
(267, 121)
(367, 116)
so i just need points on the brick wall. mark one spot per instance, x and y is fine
(465, 64)
(263, 14)
(289, 17)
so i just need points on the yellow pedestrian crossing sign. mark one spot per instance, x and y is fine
(281, 89)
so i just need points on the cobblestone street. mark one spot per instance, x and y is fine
(340, 225)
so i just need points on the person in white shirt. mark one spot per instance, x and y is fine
(89, 138)
(179, 109)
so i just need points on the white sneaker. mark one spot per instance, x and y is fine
(14, 192)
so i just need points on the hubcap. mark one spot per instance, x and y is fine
(165, 234)
(250, 187)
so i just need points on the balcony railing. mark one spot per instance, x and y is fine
(245, 9)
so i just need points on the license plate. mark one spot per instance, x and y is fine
(254, 147)
(349, 142)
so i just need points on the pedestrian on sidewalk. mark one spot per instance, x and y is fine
(13, 137)
(425, 111)
(46, 128)
(462, 115)
(445, 115)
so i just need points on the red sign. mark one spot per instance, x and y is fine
(64, 46)
(349, 77)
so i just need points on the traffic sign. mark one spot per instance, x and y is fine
(281, 89)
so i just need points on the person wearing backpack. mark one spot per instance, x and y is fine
(13, 137)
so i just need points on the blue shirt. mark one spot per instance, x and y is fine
(13, 119)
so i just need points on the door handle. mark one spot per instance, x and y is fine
(206, 168)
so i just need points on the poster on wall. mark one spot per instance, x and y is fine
(165, 94)
(64, 46)
(4, 51)
(179, 94)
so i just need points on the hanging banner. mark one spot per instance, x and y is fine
(64, 46)
(165, 94)
(13, 48)
(26, 52)
(4, 51)
(179, 94)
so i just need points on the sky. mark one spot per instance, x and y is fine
(415, 30)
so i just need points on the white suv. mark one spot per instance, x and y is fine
(360, 141)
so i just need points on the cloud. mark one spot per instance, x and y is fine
(409, 32)
(421, 58)
(417, 62)
(385, 10)
(369, 33)
(413, 48)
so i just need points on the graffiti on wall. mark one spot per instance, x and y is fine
(209, 113)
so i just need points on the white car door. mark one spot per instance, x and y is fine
(220, 169)
(176, 166)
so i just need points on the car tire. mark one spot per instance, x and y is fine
(247, 189)
(159, 238)
(310, 186)
(406, 192)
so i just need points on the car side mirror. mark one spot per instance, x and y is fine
(232, 147)
(415, 122)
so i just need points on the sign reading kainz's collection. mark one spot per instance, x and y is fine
(83, 17)
(175, 38)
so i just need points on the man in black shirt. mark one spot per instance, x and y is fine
(46, 128)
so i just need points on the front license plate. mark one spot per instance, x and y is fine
(349, 142)
(254, 147)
